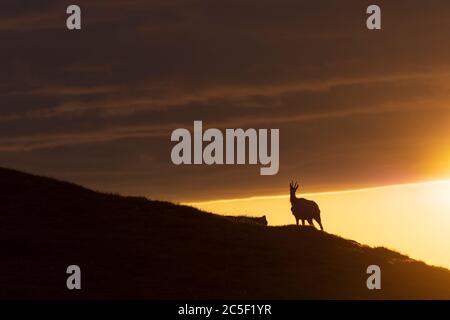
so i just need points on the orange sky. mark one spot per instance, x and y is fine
(355, 108)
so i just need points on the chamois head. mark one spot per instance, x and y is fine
(293, 186)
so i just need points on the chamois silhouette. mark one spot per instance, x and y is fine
(246, 219)
(304, 209)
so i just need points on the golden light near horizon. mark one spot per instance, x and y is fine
(413, 219)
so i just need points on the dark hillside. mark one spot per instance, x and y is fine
(130, 247)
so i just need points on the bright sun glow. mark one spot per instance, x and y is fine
(411, 218)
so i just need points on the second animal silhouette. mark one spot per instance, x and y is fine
(304, 209)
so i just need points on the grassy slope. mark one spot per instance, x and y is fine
(134, 248)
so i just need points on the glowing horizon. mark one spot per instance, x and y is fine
(285, 196)
(412, 218)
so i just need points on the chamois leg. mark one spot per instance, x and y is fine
(296, 220)
(319, 222)
(310, 222)
(303, 222)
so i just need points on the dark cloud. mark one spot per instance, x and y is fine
(97, 106)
